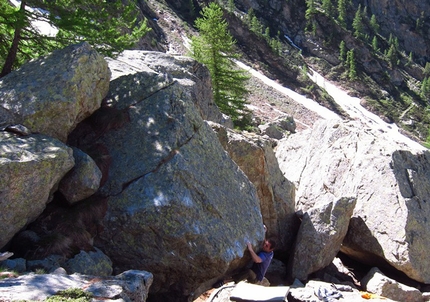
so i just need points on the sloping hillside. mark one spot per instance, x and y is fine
(388, 74)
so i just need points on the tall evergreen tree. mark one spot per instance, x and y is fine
(214, 47)
(342, 51)
(427, 69)
(425, 88)
(357, 23)
(392, 55)
(352, 70)
(375, 43)
(374, 24)
(328, 8)
(109, 26)
(341, 8)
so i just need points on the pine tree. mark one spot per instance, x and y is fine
(327, 6)
(357, 23)
(342, 51)
(427, 69)
(352, 70)
(375, 43)
(425, 88)
(374, 24)
(309, 15)
(231, 6)
(341, 8)
(214, 47)
(109, 26)
(392, 55)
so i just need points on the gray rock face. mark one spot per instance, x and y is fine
(131, 285)
(52, 95)
(390, 182)
(94, 263)
(182, 69)
(83, 180)
(376, 282)
(30, 169)
(177, 204)
(256, 158)
(320, 236)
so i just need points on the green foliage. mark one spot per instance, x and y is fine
(310, 10)
(328, 8)
(341, 9)
(374, 24)
(350, 60)
(427, 142)
(71, 295)
(392, 55)
(357, 23)
(425, 88)
(427, 69)
(109, 26)
(375, 43)
(230, 6)
(342, 51)
(215, 48)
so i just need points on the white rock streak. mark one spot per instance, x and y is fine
(351, 105)
(306, 102)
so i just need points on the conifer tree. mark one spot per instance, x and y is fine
(309, 15)
(231, 6)
(109, 26)
(327, 6)
(375, 43)
(214, 47)
(427, 69)
(342, 51)
(392, 55)
(357, 23)
(341, 8)
(374, 24)
(425, 88)
(352, 70)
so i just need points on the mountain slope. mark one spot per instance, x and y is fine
(388, 88)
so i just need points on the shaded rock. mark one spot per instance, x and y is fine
(94, 263)
(83, 180)
(18, 265)
(322, 291)
(176, 202)
(47, 265)
(255, 156)
(320, 236)
(181, 68)
(131, 285)
(17, 129)
(376, 282)
(271, 131)
(390, 180)
(51, 95)
(30, 169)
(278, 128)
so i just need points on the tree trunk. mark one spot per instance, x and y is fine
(11, 56)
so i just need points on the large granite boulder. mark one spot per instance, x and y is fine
(320, 237)
(179, 67)
(132, 285)
(178, 206)
(52, 94)
(391, 182)
(30, 169)
(83, 180)
(376, 282)
(256, 157)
